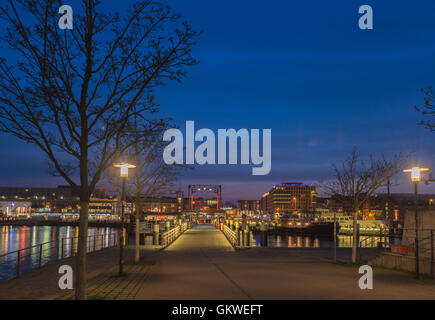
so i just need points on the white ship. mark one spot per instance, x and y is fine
(366, 227)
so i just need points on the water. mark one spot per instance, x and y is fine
(14, 238)
(297, 241)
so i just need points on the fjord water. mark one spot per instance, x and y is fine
(14, 238)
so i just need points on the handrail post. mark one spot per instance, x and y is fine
(431, 254)
(40, 255)
(18, 262)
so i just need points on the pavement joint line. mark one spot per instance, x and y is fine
(225, 275)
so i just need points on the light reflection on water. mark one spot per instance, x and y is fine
(298, 241)
(14, 238)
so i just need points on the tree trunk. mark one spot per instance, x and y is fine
(81, 256)
(137, 244)
(354, 236)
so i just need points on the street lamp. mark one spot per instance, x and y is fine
(124, 175)
(416, 178)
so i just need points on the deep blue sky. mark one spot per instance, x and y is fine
(303, 69)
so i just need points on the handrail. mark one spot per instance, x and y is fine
(172, 234)
(423, 249)
(231, 235)
(57, 251)
(27, 248)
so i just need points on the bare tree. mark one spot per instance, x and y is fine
(356, 180)
(151, 177)
(428, 108)
(73, 92)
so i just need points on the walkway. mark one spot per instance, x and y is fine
(186, 269)
(201, 264)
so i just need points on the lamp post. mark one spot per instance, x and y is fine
(124, 175)
(416, 178)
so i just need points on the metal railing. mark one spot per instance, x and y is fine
(15, 263)
(405, 244)
(171, 235)
(231, 235)
(426, 247)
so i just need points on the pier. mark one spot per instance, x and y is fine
(203, 264)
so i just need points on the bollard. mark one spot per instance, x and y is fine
(263, 238)
(156, 234)
(246, 238)
(263, 229)
(239, 238)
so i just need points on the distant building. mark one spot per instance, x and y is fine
(36, 193)
(289, 197)
(62, 200)
(160, 204)
(15, 208)
(395, 205)
(248, 206)
(200, 203)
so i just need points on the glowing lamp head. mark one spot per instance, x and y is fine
(416, 173)
(124, 168)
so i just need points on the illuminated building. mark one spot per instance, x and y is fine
(289, 197)
(15, 208)
(248, 207)
(61, 200)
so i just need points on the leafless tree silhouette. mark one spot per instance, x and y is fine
(427, 109)
(73, 92)
(355, 181)
(151, 177)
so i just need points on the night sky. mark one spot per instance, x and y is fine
(301, 68)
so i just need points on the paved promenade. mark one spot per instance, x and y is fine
(202, 265)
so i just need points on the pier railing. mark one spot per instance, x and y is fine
(230, 234)
(171, 235)
(15, 263)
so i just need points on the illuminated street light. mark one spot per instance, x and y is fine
(416, 178)
(124, 175)
(124, 168)
(416, 173)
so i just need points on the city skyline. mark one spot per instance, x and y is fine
(321, 91)
(217, 152)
